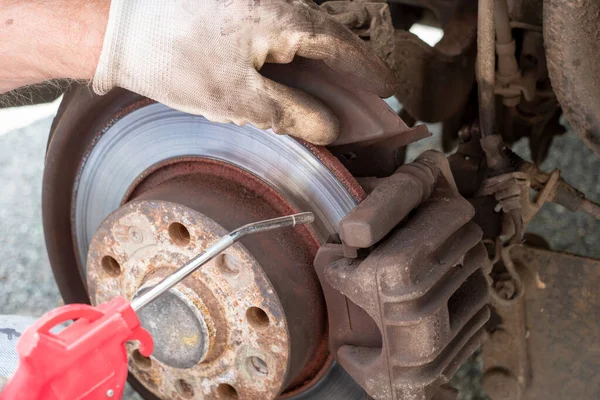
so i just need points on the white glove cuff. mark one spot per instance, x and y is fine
(136, 53)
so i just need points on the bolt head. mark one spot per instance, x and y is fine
(505, 289)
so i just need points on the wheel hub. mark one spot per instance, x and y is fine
(224, 326)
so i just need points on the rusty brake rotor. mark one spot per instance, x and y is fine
(227, 175)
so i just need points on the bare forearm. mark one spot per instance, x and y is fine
(42, 40)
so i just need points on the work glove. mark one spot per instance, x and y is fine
(204, 56)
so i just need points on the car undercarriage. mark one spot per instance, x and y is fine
(133, 189)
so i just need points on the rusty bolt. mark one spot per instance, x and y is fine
(258, 365)
(505, 289)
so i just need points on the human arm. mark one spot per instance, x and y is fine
(198, 56)
(43, 40)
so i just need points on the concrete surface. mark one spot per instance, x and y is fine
(12, 119)
(575, 233)
(26, 283)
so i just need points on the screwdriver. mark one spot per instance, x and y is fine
(88, 359)
(214, 250)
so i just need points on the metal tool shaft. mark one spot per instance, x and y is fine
(214, 250)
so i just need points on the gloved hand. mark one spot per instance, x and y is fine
(203, 57)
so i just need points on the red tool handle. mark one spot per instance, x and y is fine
(86, 360)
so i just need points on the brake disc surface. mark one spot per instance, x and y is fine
(154, 134)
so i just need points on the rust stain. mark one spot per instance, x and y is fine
(239, 197)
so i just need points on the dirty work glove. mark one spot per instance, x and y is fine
(203, 57)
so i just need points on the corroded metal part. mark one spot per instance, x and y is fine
(244, 343)
(429, 76)
(163, 133)
(233, 197)
(416, 304)
(507, 371)
(544, 343)
(571, 41)
(486, 66)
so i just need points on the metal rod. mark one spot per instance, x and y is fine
(508, 68)
(502, 23)
(486, 66)
(214, 250)
(590, 207)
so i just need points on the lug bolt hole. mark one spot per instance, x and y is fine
(179, 234)
(257, 318)
(228, 265)
(258, 366)
(111, 266)
(140, 360)
(184, 389)
(227, 392)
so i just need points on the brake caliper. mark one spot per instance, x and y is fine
(406, 304)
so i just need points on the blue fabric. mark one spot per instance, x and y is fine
(11, 329)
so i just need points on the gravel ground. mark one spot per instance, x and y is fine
(26, 283)
(575, 233)
(27, 286)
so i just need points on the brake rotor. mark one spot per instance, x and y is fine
(224, 176)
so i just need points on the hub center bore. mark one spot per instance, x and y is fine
(180, 334)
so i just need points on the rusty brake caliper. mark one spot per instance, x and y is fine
(406, 306)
